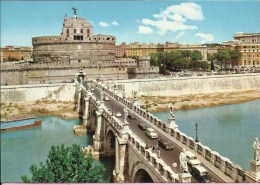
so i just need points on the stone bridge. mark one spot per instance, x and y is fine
(135, 161)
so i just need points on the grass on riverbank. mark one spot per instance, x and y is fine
(39, 108)
(161, 103)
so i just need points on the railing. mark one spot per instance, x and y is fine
(225, 165)
(159, 165)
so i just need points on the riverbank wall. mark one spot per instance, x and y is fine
(27, 93)
(176, 86)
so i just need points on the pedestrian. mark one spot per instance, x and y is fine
(159, 153)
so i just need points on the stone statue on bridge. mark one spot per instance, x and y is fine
(101, 95)
(126, 112)
(256, 147)
(183, 162)
(171, 111)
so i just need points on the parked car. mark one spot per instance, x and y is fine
(106, 98)
(92, 89)
(201, 174)
(151, 133)
(131, 116)
(164, 143)
(192, 160)
(143, 126)
(118, 114)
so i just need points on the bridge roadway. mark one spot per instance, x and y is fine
(168, 156)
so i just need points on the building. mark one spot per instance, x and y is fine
(249, 46)
(121, 50)
(58, 58)
(16, 53)
(75, 45)
(136, 49)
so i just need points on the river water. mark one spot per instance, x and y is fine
(22, 148)
(229, 130)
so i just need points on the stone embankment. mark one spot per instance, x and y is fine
(179, 86)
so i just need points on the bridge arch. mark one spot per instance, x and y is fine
(142, 173)
(110, 138)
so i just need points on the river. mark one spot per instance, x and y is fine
(229, 130)
(22, 148)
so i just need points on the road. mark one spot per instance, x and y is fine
(168, 156)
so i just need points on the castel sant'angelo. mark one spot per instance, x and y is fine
(60, 58)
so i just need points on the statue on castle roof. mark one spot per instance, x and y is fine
(74, 10)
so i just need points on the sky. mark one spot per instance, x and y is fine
(149, 21)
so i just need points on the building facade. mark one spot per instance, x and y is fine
(16, 53)
(249, 46)
(136, 49)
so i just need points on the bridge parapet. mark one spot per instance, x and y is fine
(227, 167)
(163, 170)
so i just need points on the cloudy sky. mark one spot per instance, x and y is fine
(133, 21)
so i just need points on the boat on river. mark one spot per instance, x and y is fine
(19, 122)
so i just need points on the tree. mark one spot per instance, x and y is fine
(66, 164)
(223, 56)
(211, 58)
(235, 55)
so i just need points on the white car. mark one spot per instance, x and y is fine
(118, 114)
(151, 133)
(106, 98)
(192, 159)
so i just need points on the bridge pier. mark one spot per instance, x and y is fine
(96, 137)
(78, 98)
(118, 173)
(86, 111)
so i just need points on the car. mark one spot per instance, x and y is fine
(118, 114)
(92, 89)
(143, 126)
(164, 143)
(201, 174)
(192, 160)
(151, 133)
(131, 116)
(106, 98)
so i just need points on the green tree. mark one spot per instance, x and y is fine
(235, 55)
(223, 56)
(196, 55)
(211, 58)
(66, 164)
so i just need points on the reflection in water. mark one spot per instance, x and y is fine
(230, 130)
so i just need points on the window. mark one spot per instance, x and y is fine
(79, 61)
(68, 30)
(87, 30)
(74, 30)
(78, 37)
(81, 30)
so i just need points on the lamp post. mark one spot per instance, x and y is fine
(196, 125)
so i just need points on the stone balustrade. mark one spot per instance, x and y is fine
(225, 165)
(158, 164)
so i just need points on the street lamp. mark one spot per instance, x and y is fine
(196, 140)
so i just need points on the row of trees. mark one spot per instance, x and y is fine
(186, 59)
(178, 60)
(66, 165)
(224, 57)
